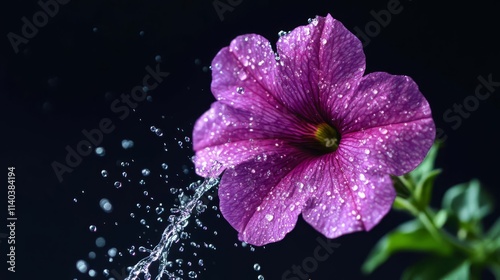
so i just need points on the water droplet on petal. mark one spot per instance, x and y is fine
(242, 75)
(240, 90)
(361, 194)
(269, 217)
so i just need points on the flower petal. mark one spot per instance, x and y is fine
(243, 74)
(382, 99)
(230, 136)
(388, 124)
(394, 149)
(262, 198)
(350, 198)
(318, 61)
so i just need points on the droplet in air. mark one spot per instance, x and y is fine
(282, 33)
(100, 242)
(104, 173)
(100, 151)
(82, 266)
(159, 210)
(117, 184)
(145, 172)
(106, 205)
(127, 144)
(112, 252)
(256, 267)
(158, 132)
(240, 90)
(164, 166)
(92, 228)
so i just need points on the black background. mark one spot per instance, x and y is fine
(65, 78)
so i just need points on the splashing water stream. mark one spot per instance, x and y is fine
(171, 233)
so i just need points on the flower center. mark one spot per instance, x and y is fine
(328, 138)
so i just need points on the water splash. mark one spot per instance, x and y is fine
(173, 231)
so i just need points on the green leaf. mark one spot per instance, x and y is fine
(427, 165)
(438, 268)
(402, 186)
(410, 236)
(440, 218)
(423, 191)
(401, 204)
(468, 202)
(494, 231)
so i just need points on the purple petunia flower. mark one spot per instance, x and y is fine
(303, 131)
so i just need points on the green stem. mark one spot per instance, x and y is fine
(444, 235)
(426, 217)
